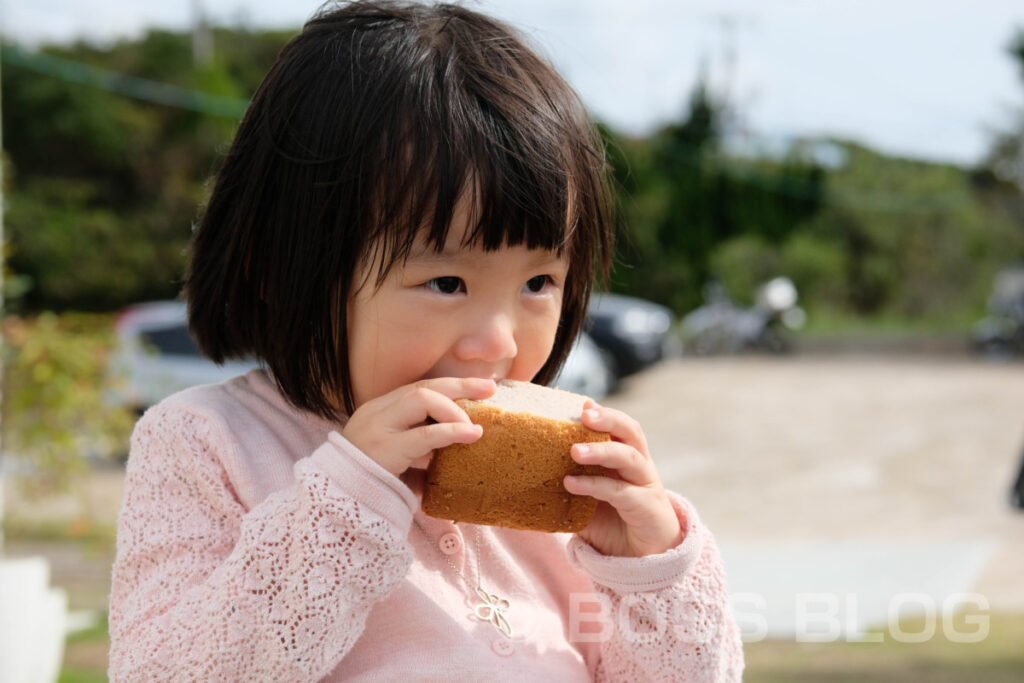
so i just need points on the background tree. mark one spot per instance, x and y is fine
(109, 152)
(685, 199)
(1000, 179)
(104, 187)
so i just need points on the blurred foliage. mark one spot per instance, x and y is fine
(56, 403)
(102, 189)
(683, 199)
(894, 238)
(1001, 178)
(94, 535)
(1006, 158)
(871, 235)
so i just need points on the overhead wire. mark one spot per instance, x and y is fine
(122, 84)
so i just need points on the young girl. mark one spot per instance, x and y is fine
(414, 206)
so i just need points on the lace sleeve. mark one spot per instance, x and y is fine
(202, 590)
(660, 618)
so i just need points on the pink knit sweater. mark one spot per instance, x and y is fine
(255, 543)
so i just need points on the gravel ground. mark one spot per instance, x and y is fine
(855, 450)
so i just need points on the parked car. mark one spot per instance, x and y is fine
(586, 370)
(157, 357)
(1001, 334)
(633, 333)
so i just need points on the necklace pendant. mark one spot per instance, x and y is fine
(492, 609)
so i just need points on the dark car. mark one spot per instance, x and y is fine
(633, 333)
(1001, 334)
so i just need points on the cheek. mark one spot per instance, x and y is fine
(536, 343)
(393, 351)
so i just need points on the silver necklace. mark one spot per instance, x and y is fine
(490, 607)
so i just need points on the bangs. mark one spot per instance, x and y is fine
(488, 139)
(500, 210)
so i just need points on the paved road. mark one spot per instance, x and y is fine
(857, 480)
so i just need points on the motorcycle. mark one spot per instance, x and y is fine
(722, 326)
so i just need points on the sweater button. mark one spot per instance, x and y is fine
(503, 647)
(449, 543)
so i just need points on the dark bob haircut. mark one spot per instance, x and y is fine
(369, 128)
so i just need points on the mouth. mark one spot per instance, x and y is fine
(496, 376)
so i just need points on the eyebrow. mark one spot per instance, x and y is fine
(428, 255)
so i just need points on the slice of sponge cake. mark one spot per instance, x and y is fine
(512, 476)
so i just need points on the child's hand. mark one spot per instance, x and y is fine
(396, 429)
(634, 516)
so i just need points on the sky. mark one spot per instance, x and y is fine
(926, 79)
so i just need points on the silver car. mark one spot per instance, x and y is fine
(157, 357)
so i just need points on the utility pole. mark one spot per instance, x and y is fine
(202, 36)
(728, 25)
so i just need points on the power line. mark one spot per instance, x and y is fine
(123, 84)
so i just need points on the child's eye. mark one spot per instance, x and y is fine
(535, 285)
(446, 285)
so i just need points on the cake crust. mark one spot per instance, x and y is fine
(512, 476)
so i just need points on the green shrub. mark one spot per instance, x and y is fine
(56, 399)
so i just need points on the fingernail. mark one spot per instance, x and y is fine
(582, 451)
(593, 414)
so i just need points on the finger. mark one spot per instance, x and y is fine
(628, 499)
(630, 465)
(419, 403)
(430, 437)
(621, 426)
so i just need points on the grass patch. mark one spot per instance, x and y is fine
(93, 634)
(831, 323)
(996, 659)
(81, 676)
(85, 655)
(91, 533)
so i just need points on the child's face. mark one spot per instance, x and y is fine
(460, 313)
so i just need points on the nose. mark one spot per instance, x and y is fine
(490, 338)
